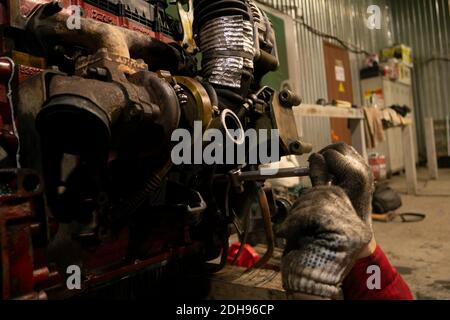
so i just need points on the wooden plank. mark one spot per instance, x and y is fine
(233, 283)
(311, 110)
(410, 160)
(430, 143)
(236, 284)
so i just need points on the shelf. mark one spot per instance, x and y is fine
(312, 110)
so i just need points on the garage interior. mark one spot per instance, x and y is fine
(424, 270)
(418, 250)
(93, 92)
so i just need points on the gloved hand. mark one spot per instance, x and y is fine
(324, 236)
(341, 165)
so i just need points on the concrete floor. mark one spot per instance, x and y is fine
(421, 251)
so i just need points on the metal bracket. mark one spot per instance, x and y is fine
(187, 20)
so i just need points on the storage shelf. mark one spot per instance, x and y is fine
(313, 110)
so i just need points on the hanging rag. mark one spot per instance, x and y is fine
(373, 127)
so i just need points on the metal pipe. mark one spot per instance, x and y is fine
(265, 211)
(282, 173)
(94, 35)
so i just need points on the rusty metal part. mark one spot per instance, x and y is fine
(31, 96)
(129, 206)
(6, 69)
(243, 234)
(19, 183)
(124, 274)
(16, 19)
(51, 28)
(83, 111)
(21, 58)
(202, 100)
(265, 211)
(187, 20)
(161, 93)
(104, 59)
(79, 113)
(237, 179)
(113, 103)
(21, 207)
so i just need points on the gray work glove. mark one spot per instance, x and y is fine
(341, 165)
(324, 236)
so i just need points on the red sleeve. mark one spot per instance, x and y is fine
(391, 284)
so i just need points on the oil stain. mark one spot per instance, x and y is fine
(421, 296)
(442, 284)
(405, 271)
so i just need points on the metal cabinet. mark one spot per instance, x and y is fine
(390, 93)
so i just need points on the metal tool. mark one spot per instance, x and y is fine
(238, 177)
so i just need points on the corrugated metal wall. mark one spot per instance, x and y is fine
(425, 26)
(345, 19)
(422, 24)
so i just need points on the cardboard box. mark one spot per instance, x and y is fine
(404, 73)
(401, 52)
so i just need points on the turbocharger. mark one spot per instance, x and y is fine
(111, 101)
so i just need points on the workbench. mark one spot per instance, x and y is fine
(356, 122)
(355, 116)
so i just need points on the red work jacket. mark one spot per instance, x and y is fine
(361, 284)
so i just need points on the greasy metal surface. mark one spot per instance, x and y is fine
(105, 58)
(96, 35)
(20, 193)
(15, 17)
(143, 91)
(265, 211)
(108, 97)
(19, 183)
(111, 86)
(202, 99)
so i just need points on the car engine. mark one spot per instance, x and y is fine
(92, 94)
